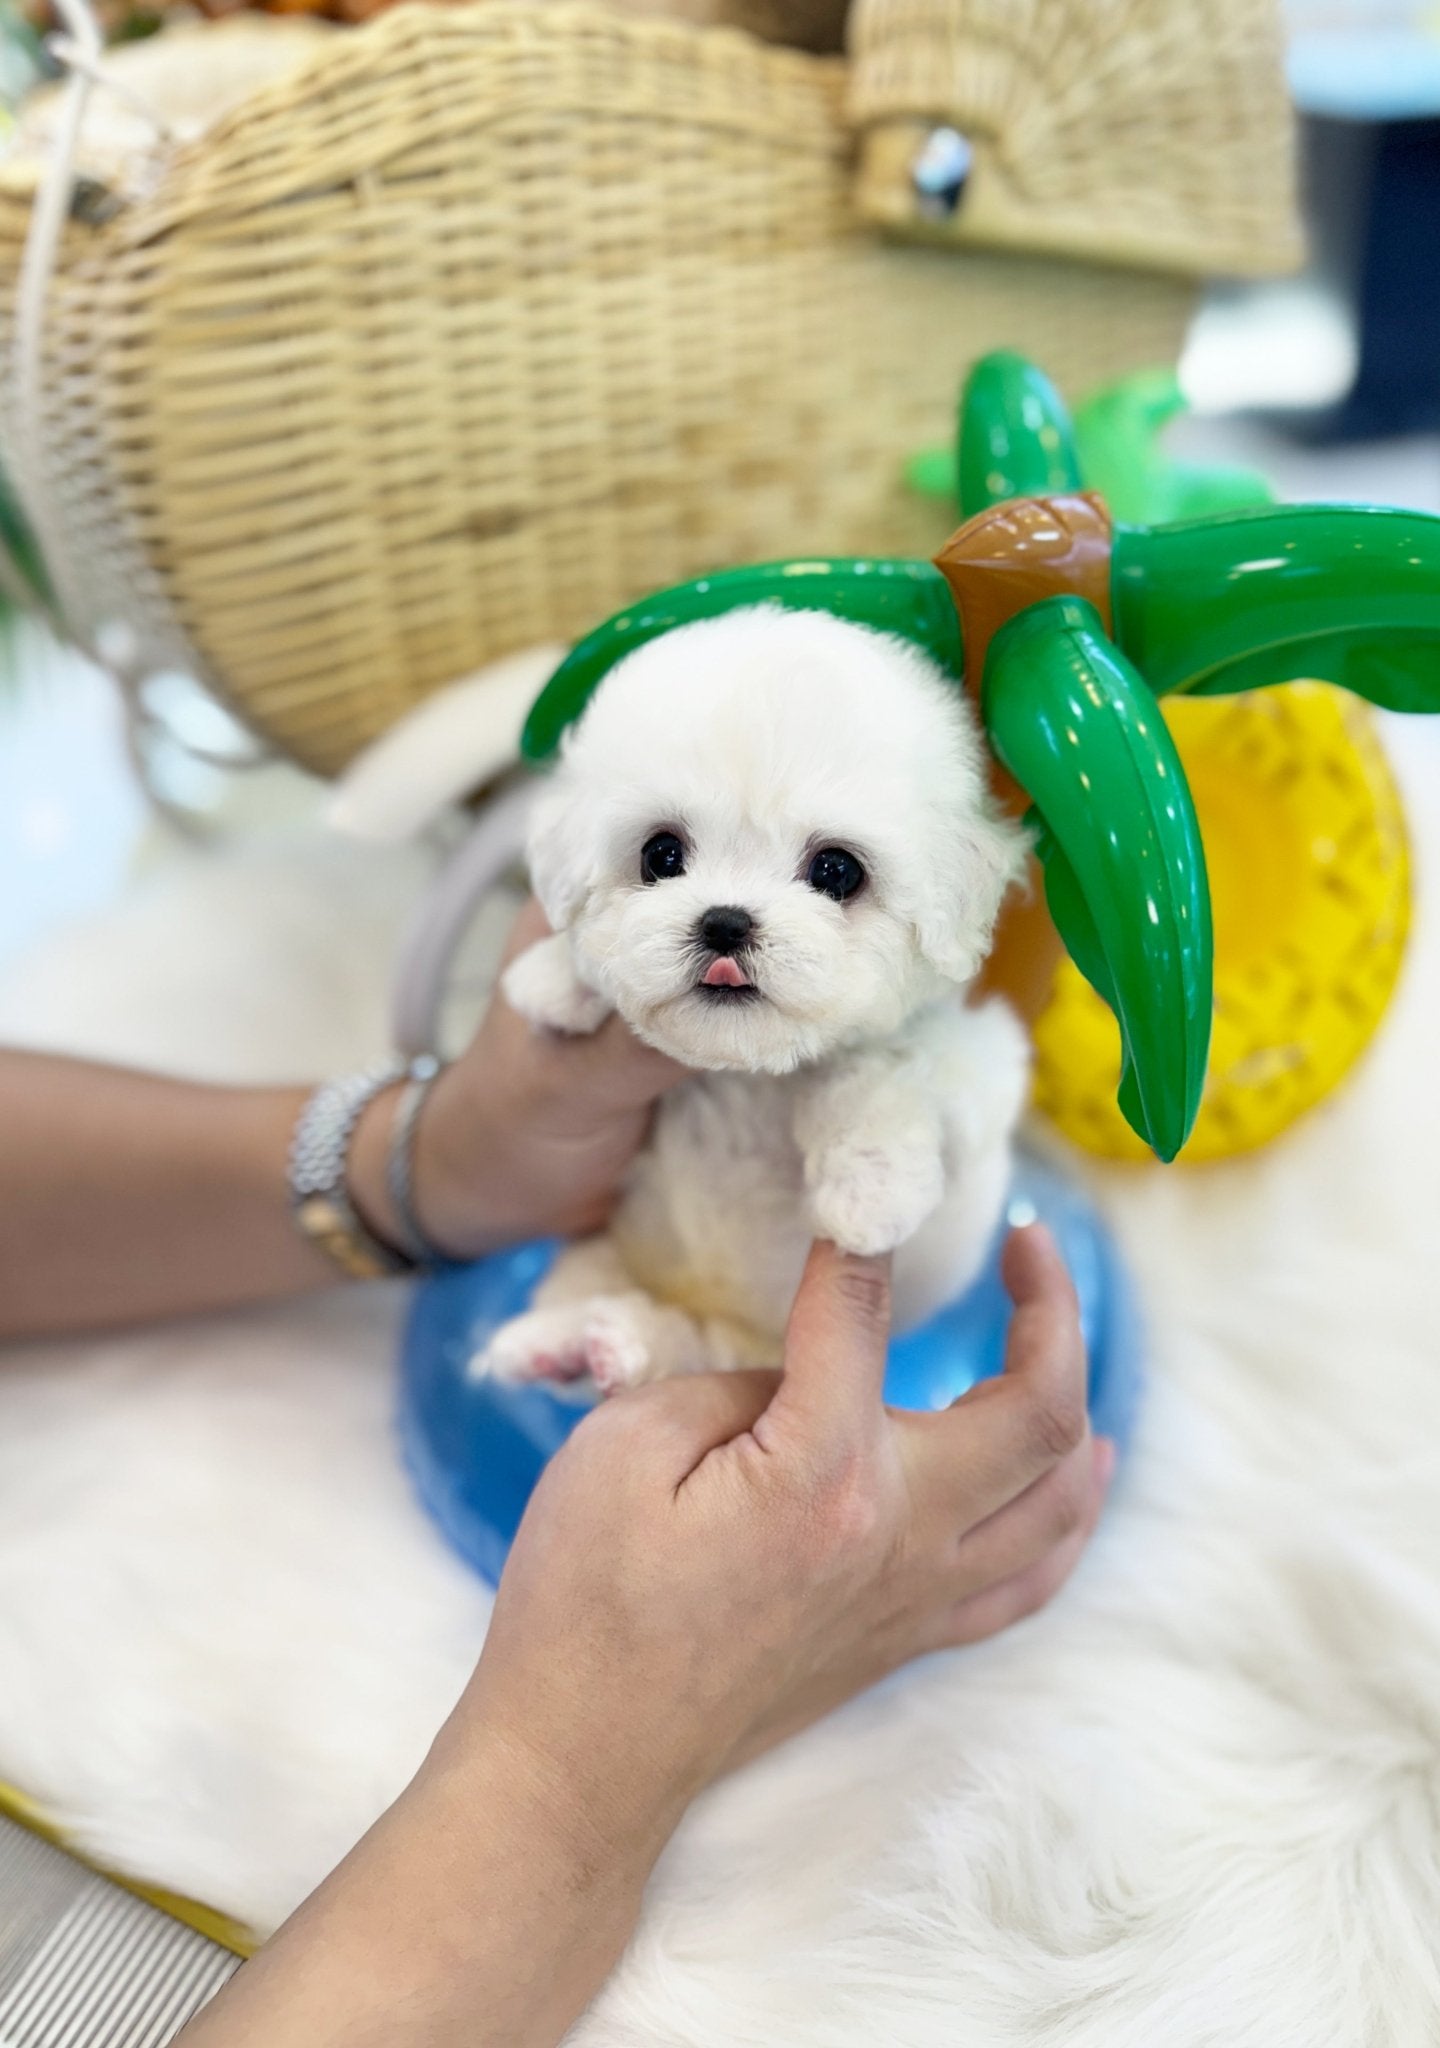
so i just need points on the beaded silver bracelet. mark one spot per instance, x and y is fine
(319, 1158)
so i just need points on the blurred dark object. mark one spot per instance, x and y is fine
(1365, 75)
(817, 25)
(1376, 192)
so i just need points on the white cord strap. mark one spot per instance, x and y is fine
(431, 939)
(81, 49)
(112, 644)
(37, 265)
(75, 56)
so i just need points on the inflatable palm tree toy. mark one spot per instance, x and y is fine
(1067, 628)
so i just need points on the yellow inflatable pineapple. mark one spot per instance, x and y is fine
(1310, 888)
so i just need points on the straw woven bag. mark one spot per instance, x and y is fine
(480, 323)
(1130, 131)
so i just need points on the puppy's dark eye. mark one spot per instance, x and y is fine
(662, 857)
(835, 873)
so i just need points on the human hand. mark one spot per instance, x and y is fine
(707, 1565)
(712, 1562)
(527, 1134)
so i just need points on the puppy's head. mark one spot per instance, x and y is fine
(770, 835)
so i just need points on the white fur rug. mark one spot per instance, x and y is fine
(1197, 1802)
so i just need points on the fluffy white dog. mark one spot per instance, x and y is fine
(769, 845)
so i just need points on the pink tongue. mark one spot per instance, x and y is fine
(725, 973)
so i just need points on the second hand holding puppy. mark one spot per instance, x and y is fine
(527, 1134)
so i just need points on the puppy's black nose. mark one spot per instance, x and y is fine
(725, 929)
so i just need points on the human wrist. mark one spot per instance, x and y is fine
(599, 1810)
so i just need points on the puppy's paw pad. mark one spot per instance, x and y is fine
(871, 1202)
(542, 987)
(530, 1348)
(617, 1353)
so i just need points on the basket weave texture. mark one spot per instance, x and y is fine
(1143, 131)
(486, 321)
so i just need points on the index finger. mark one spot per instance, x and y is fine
(1008, 1432)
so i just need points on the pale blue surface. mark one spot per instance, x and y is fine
(70, 810)
(1387, 72)
(475, 1449)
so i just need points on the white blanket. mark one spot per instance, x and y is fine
(1196, 1802)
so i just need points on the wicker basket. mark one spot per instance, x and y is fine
(484, 321)
(1129, 131)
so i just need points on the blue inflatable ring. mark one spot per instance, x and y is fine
(475, 1448)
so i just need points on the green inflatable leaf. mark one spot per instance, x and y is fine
(1346, 594)
(1117, 438)
(1124, 866)
(934, 473)
(904, 597)
(1015, 438)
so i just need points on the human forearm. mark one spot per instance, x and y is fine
(482, 1911)
(125, 1196)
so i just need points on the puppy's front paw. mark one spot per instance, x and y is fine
(618, 1353)
(612, 1341)
(542, 985)
(546, 1344)
(870, 1199)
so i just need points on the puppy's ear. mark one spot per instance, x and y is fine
(975, 859)
(563, 848)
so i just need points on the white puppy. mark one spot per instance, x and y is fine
(769, 845)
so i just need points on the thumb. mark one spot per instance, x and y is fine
(835, 1346)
